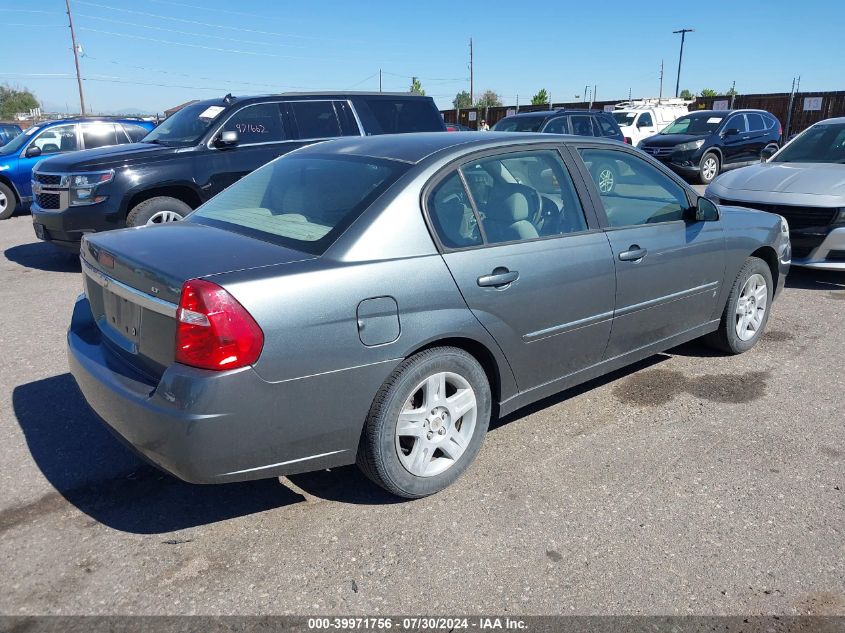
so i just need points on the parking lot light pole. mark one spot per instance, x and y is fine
(683, 33)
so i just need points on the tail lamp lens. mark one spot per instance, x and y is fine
(213, 330)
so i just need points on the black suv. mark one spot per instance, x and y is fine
(702, 144)
(578, 122)
(199, 151)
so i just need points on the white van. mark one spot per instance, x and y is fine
(641, 119)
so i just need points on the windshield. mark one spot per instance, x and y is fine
(20, 140)
(704, 123)
(822, 143)
(186, 127)
(624, 118)
(302, 202)
(519, 124)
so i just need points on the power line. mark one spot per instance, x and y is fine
(193, 6)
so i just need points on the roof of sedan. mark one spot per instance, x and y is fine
(413, 148)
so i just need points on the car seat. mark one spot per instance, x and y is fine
(508, 211)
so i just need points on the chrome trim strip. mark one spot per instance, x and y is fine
(127, 292)
(666, 299)
(291, 461)
(531, 337)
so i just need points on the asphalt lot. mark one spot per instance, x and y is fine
(690, 483)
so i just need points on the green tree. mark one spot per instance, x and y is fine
(708, 92)
(541, 98)
(731, 92)
(14, 100)
(686, 94)
(489, 99)
(462, 100)
(416, 87)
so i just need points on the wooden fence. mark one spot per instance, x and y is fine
(807, 108)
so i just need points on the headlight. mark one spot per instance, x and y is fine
(83, 187)
(689, 147)
(840, 217)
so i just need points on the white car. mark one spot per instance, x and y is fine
(641, 120)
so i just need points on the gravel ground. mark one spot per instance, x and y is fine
(689, 483)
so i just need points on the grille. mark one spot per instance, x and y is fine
(836, 256)
(48, 200)
(659, 152)
(47, 179)
(798, 217)
(801, 252)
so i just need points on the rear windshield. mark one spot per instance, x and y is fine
(300, 202)
(519, 124)
(397, 116)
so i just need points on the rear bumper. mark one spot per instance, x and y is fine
(828, 255)
(216, 427)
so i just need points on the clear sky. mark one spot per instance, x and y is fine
(148, 55)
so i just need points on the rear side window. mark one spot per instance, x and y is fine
(755, 122)
(606, 126)
(557, 126)
(300, 202)
(98, 135)
(134, 132)
(452, 215)
(395, 116)
(581, 125)
(315, 119)
(520, 124)
(259, 123)
(644, 120)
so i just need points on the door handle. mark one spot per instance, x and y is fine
(500, 276)
(633, 254)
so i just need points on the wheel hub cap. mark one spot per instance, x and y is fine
(751, 307)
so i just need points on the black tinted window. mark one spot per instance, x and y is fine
(403, 115)
(606, 126)
(134, 132)
(645, 120)
(755, 122)
(259, 123)
(315, 119)
(737, 123)
(98, 135)
(520, 124)
(557, 126)
(452, 215)
(581, 124)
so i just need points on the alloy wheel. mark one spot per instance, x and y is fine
(605, 180)
(751, 307)
(436, 424)
(709, 168)
(161, 217)
(4, 202)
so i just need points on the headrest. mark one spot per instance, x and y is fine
(511, 203)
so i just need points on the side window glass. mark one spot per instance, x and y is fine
(315, 119)
(606, 127)
(633, 191)
(61, 138)
(98, 135)
(525, 196)
(348, 124)
(645, 120)
(259, 123)
(581, 125)
(134, 132)
(452, 214)
(737, 122)
(755, 122)
(556, 126)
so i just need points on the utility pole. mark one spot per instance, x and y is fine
(585, 93)
(795, 88)
(593, 98)
(379, 79)
(660, 98)
(733, 94)
(683, 33)
(75, 58)
(471, 75)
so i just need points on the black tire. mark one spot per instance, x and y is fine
(7, 208)
(605, 175)
(378, 456)
(704, 176)
(143, 212)
(726, 338)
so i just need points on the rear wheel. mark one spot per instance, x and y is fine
(708, 169)
(158, 210)
(747, 310)
(8, 202)
(427, 423)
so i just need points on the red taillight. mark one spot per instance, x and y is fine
(213, 330)
(449, 128)
(628, 141)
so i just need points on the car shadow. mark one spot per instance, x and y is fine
(345, 485)
(811, 279)
(43, 256)
(92, 470)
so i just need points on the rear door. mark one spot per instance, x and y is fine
(757, 135)
(668, 271)
(735, 146)
(529, 259)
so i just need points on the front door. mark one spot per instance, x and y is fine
(536, 274)
(668, 271)
(54, 140)
(736, 141)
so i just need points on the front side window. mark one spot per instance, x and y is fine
(315, 119)
(737, 123)
(640, 194)
(645, 120)
(451, 214)
(526, 195)
(56, 139)
(302, 202)
(259, 123)
(98, 135)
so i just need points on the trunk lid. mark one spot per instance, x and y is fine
(133, 280)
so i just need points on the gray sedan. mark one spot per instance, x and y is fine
(805, 183)
(378, 300)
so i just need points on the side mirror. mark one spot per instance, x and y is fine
(731, 132)
(703, 211)
(227, 139)
(32, 151)
(767, 153)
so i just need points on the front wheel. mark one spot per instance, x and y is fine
(708, 169)
(747, 310)
(158, 210)
(427, 423)
(8, 202)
